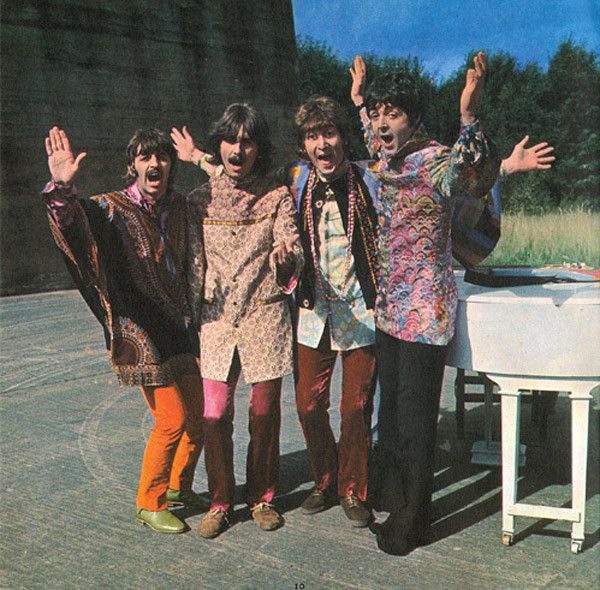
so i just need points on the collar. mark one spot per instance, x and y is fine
(241, 183)
(145, 202)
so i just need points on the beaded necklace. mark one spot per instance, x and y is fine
(311, 232)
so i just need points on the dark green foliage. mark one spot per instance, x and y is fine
(572, 99)
(560, 106)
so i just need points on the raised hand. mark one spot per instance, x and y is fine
(525, 159)
(61, 162)
(471, 94)
(359, 77)
(184, 144)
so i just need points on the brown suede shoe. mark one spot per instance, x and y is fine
(317, 501)
(266, 517)
(355, 511)
(215, 521)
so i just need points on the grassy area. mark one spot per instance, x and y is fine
(552, 238)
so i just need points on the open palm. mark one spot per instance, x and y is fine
(61, 162)
(524, 159)
(471, 94)
(359, 77)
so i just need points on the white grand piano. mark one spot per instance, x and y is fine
(537, 337)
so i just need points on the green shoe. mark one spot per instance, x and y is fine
(187, 498)
(161, 520)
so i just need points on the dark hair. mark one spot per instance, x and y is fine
(399, 89)
(146, 142)
(319, 112)
(255, 125)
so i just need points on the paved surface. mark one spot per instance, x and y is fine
(72, 443)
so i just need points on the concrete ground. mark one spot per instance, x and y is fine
(72, 443)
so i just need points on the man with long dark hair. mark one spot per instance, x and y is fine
(126, 252)
(244, 259)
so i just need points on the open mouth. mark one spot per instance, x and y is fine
(326, 159)
(387, 139)
(154, 175)
(236, 159)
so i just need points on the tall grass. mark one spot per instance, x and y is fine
(563, 236)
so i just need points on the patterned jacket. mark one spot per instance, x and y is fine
(417, 295)
(235, 297)
(130, 271)
(364, 247)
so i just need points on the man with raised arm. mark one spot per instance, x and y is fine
(415, 310)
(126, 251)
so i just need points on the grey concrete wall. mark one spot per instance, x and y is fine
(103, 69)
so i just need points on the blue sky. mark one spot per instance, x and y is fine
(442, 32)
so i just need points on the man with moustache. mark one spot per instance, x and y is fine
(126, 252)
(244, 259)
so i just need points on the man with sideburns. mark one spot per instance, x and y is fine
(126, 252)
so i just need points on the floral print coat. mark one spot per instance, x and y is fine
(235, 297)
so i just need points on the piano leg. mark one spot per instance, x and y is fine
(511, 414)
(459, 395)
(510, 395)
(580, 409)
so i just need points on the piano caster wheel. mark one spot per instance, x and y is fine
(507, 539)
(576, 546)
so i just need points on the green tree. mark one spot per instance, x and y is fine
(572, 101)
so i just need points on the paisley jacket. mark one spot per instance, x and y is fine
(419, 187)
(235, 297)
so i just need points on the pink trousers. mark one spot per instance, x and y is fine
(262, 461)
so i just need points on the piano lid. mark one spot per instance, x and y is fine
(514, 277)
(579, 288)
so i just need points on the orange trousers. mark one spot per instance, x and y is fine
(175, 442)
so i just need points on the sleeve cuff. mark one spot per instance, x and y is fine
(290, 287)
(206, 164)
(474, 127)
(63, 190)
